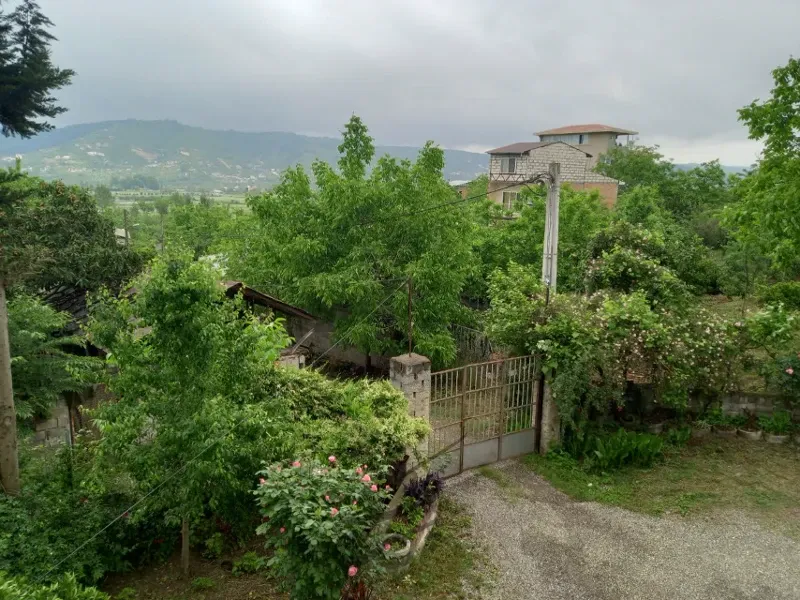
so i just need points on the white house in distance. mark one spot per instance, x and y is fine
(576, 147)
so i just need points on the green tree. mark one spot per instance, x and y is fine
(103, 196)
(770, 193)
(51, 235)
(27, 76)
(201, 407)
(344, 247)
(42, 366)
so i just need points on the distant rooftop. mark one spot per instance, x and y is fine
(523, 147)
(588, 128)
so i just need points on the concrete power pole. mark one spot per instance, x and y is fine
(550, 258)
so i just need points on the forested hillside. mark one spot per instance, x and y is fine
(179, 156)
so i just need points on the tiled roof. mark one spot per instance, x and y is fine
(588, 128)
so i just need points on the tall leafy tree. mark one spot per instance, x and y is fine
(771, 193)
(343, 246)
(51, 235)
(27, 78)
(27, 74)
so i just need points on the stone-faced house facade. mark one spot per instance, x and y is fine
(518, 163)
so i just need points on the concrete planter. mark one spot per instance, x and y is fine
(399, 560)
(777, 439)
(724, 433)
(656, 428)
(753, 436)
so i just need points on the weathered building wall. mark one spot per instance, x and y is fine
(56, 429)
(321, 340)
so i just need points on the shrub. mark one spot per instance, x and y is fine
(203, 583)
(679, 436)
(318, 520)
(66, 588)
(63, 502)
(625, 448)
(425, 490)
(780, 423)
(786, 293)
(249, 563)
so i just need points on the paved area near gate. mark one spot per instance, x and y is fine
(545, 545)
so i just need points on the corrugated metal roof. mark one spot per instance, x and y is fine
(233, 287)
(518, 148)
(587, 128)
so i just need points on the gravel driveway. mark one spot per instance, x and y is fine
(548, 547)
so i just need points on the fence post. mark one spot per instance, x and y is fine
(551, 421)
(411, 374)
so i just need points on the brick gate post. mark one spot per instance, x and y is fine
(411, 374)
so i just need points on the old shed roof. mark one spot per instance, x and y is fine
(234, 287)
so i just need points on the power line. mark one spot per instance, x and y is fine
(181, 469)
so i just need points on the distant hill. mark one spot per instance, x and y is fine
(179, 156)
(729, 169)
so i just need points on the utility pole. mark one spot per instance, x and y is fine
(410, 324)
(550, 258)
(125, 224)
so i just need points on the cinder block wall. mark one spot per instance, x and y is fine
(55, 430)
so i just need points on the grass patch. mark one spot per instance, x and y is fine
(449, 564)
(763, 480)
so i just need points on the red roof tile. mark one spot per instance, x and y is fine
(588, 128)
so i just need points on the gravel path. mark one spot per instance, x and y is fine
(548, 547)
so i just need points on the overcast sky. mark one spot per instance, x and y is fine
(471, 74)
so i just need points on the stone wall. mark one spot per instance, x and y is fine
(56, 429)
(760, 404)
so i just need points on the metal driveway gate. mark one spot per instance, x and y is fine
(482, 413)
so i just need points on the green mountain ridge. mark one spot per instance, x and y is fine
(193, 158)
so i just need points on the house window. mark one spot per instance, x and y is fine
(509, 198)
(583, 138)
(508, 165)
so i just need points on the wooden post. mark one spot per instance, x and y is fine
(9, 461)
(185, 547)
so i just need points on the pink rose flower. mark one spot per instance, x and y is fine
(388, 487)
(283, 529)
(296, 463)
(359, 471)
(387, 547)
(262, 481)
(374, 488)
(790, 370)
(352, 571)
(366, 478)
(332, 458)
(334, 511)
(327, 498)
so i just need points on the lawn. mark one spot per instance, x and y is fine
(449, 562)
(703, 479)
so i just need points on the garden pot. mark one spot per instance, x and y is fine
(777, 439)
(655, 428)
(753, 436)
(398, 558)
(725, 433)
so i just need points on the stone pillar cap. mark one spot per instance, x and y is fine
(412, 359)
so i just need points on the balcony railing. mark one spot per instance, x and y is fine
(508, 177)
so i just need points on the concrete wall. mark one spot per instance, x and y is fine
(321, 341)
(56, 429)
(760, 404)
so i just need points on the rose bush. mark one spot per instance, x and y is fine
(318, 519)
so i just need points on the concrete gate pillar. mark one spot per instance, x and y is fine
(551, 422)
(411, 374)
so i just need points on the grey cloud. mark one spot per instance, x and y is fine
(463, 73)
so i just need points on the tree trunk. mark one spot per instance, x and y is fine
(9, 463)
(185, 547)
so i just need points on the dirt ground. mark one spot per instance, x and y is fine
(545, 545)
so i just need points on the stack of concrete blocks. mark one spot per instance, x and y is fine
(56, 429)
